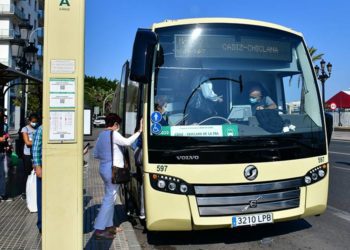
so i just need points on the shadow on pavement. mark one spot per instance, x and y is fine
(90, 215)
(227, 236)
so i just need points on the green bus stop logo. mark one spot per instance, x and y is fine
(64, 2)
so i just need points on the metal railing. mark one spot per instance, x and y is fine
(11, 9)
(8, 34)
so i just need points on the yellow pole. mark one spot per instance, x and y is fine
(63, 106)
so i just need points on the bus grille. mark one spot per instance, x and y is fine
(221, 200)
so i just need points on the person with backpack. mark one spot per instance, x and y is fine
(27, 135)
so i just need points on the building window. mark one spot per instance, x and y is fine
(36, 5)
(29, 2)
(35, 24)
(29, 16)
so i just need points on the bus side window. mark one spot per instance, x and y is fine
(131, 106)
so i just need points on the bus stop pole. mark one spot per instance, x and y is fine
(63, 93)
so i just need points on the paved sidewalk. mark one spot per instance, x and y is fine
(18, 226)
(93, 188)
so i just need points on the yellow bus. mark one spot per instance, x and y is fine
(234, 128)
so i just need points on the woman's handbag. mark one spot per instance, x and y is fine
(119, 175)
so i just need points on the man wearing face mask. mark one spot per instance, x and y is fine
(27, 134)
(258, 101)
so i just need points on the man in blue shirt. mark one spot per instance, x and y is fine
(37, 164)
(258, 101)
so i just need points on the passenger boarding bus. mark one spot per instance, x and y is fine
(234, 129)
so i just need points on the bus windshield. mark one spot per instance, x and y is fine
(218, 83)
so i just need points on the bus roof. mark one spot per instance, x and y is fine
(168, 23)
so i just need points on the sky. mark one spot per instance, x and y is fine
(111, 26)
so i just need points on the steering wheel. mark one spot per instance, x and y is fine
(215, 117)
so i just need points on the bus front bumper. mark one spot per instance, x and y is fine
(172, 212)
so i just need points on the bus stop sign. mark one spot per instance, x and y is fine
(333, 106)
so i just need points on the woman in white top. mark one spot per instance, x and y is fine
(104, 228)
(27, 134)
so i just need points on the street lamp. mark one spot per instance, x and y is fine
(323, 76)
(25, 54)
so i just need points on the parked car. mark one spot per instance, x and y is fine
(99, 121)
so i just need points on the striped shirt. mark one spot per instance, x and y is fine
(37, 147)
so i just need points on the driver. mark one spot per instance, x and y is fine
(204, 101)
(258, 101)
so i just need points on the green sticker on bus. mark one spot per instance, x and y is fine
(226, 130)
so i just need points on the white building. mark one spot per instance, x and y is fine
(293, 107)
(12, 14)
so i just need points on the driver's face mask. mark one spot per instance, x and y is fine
(253, 100)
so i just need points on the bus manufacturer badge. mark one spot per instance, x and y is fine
(250, 172)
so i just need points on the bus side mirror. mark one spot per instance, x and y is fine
(142, 56)
(329, 126)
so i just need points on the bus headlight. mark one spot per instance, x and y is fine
(316, 174)
(307, 179)
(183, 188)
(161, 184)
(170, 184)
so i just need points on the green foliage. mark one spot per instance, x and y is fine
(97, 89)
(315, 57)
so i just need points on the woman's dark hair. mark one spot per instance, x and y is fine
(111, 119)
(33, 116)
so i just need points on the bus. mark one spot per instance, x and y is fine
(221, 145)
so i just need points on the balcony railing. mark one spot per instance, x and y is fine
(11, 9)
(8, 34)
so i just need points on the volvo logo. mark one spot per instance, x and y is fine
(187, 157)
(250, 172)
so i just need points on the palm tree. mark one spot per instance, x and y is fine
(312, 51)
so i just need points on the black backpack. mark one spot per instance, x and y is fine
(270, 120)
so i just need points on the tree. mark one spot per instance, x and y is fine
(97, 89)
(315, 57)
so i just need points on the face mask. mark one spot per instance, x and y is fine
(33, 124)
(253, 100)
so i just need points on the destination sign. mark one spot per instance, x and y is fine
(221, 46)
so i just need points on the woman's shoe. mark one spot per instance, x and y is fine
(104, 235)
(114, 230)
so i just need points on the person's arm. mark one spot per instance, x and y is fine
(37, 151)
(122, 141)
(270, 104)
(208, 93)
(25, 137)
(3, 138)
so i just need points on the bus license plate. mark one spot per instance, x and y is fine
(251, 219)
